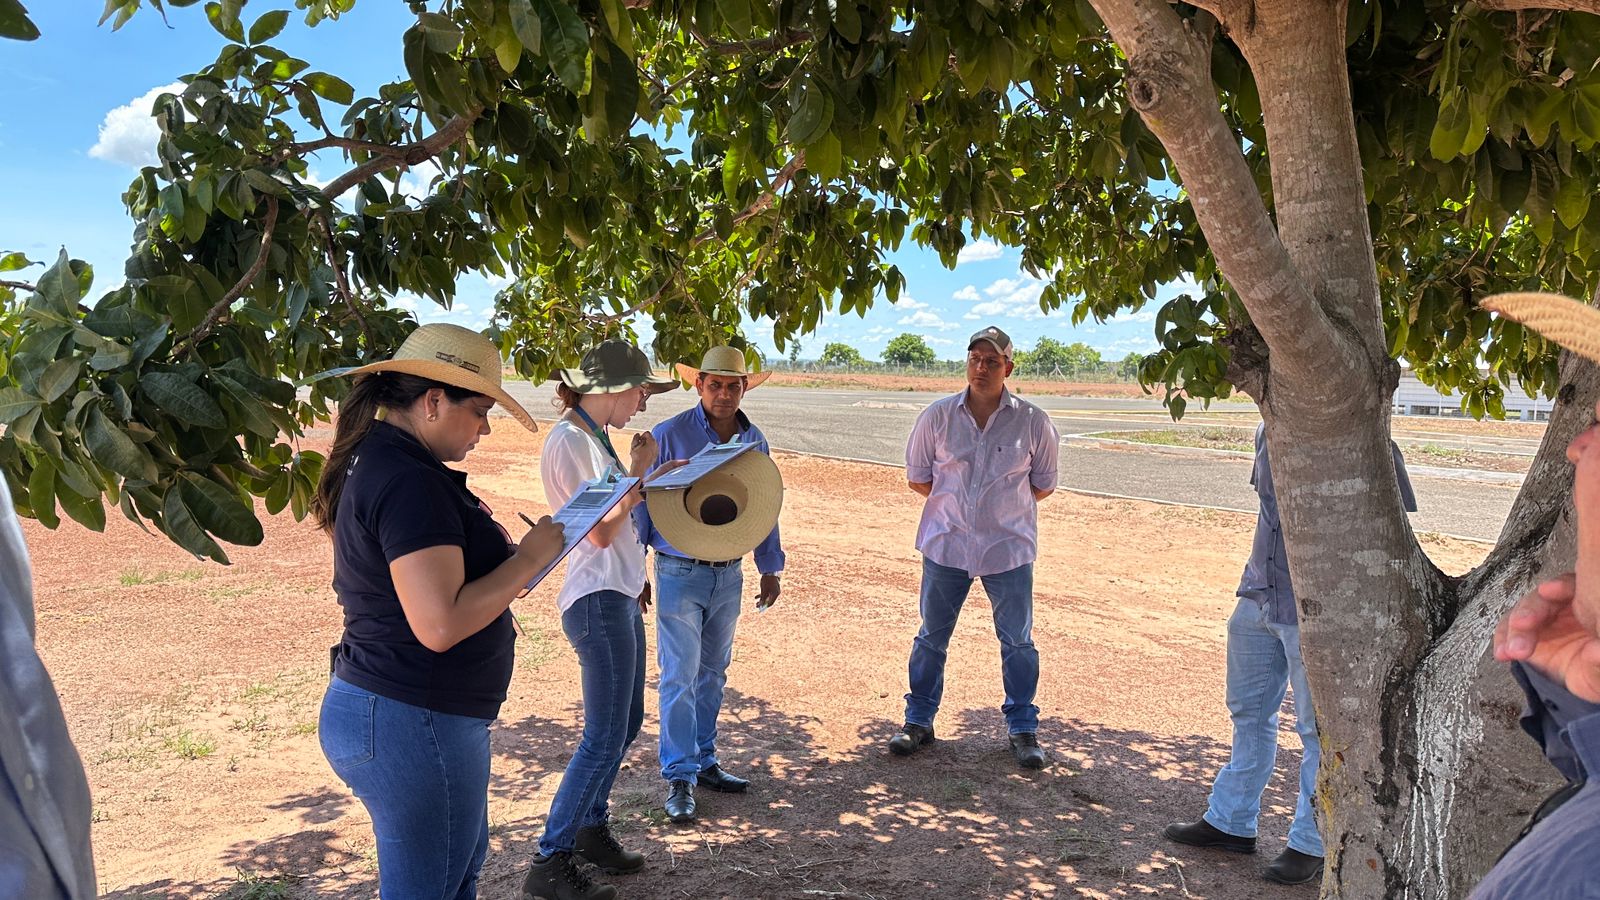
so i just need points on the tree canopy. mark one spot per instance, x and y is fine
(908, 349)
(837, 354)
(1049, 354)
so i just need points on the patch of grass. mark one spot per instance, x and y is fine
(219, 594)
(1209, 438)
(185, 744)
(952, 789)
(137, 576)
(631, 807)
(256, 886)
(534, 645)
(255, 721)
(303, 728)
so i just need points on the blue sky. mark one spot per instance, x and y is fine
(74, 130)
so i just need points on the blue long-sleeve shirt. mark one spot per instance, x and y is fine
(681, 437)
(1266, 574)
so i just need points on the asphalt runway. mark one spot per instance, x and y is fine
(872, 426)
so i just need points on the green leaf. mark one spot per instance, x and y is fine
(183, 399)
(811, 111)
(14, 403)
(330, 88)
(277, 496)
(736, 13)
(58, 290)
(42, 494)
(226, 21)
(16, 260)
(112, 448)
(733, 163)
(267, 27)
(180, 524)
(824, 157)
(58, 377)
(220, 510)
(567, 42)
(14, 22)
(443, 35)
(1572, 200)
(1450, 130)
(88, 511)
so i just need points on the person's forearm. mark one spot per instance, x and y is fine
(925, 488)
(480, 602)
(612, 524)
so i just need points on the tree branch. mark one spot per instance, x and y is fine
(221, 306)
(1169, 83)
(376, 148)
(763, 202)
(20, 286)
(408, 154)
(341, 282)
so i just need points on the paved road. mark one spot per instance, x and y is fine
(873, 426)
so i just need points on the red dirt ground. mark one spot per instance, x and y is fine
(192, 693)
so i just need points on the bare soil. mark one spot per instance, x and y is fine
(949, 384)
(192, 692)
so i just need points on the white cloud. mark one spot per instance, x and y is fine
(969, 293)
(926, 319)
(910, 303)
(1016, 298)
(879, 330)
(414, 184)
(1145, 316)
(939, 341)
(979, 251)
(128, 134)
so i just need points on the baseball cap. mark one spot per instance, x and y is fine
(997, 338)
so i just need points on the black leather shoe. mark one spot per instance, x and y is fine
(910, 739)
(599, 846)
(716, 779)
(557, 877)
(1293, 867)
(1025, 747)
(680, 802)
(1204, 834)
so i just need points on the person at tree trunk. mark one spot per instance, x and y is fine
(1551, 638)
(426, 578)
(697, 601)
(44, 795)
(602, 603)
(1263, 661)
(984, 458)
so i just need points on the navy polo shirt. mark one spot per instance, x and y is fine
(398, 498)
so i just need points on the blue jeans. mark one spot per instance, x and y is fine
(608, 633)
(1263, 659)
(696, 610)
(424, 778)
(944, 590)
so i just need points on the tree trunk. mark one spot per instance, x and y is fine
(1425, 776)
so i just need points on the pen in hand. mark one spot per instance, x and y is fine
(524, 517)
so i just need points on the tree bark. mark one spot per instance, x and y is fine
(1424, 776)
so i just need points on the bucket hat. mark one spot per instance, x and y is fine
(722, 360)
(611, 367)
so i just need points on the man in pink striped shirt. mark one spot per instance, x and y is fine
(984, 459)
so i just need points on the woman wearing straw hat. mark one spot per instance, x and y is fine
(425, 577)
(1552, 638)
(600, 603)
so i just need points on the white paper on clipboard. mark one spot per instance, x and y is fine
(698, 466)
(581, 514)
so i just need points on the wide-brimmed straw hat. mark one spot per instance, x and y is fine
(723, 360)
(1573, 325)
(725, 514)
(455, 356)
(611, 367)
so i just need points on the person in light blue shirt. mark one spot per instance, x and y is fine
(1264, 660)
(44, 796)
(698, 600)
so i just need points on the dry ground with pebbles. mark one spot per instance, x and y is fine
(192, 692)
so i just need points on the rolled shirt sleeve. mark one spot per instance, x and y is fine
(1046, 453)
(921, 447)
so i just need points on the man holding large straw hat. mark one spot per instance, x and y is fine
(698, 599)
(984, 458)
(1552, 639)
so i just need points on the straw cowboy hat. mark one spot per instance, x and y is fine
(725, 514)
(611, 367)
(455, 356)
(1573, 325)
(722, 360)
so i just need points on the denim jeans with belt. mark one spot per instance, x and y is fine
(697, 607)
(944, 591)
(424, 778)
(1263, 659)
(606, 630)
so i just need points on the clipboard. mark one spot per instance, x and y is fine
(698, 466)
(581, 514)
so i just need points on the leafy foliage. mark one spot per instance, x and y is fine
(908, 350)
(837, 354)
(1049, 355)
(706, 163)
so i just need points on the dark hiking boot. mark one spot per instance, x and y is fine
(1293, 867)
(1204, 834)
(910, 739)
(1025, 747)
(557, 877)
(599, 846)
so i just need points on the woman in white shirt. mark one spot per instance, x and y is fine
(601, 601)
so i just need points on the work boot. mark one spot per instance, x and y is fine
(1293, 867)
(557, 877)
(716, 779)
(1204, 834)
(680, 801)
(910, 739)
(1025, 747)
(598, 845)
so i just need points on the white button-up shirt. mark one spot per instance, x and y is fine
(981, 516)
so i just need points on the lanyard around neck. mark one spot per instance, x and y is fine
(600, 435)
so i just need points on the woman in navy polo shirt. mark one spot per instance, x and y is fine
(425, 577)
(601, 601)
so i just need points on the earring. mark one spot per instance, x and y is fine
(433, 417)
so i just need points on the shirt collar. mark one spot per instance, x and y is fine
(705, 421)
(1005, 397)
(407, 443)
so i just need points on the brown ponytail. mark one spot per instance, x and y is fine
(386, 390)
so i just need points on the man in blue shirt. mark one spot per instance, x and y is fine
(1264, 659)
(697, 600)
